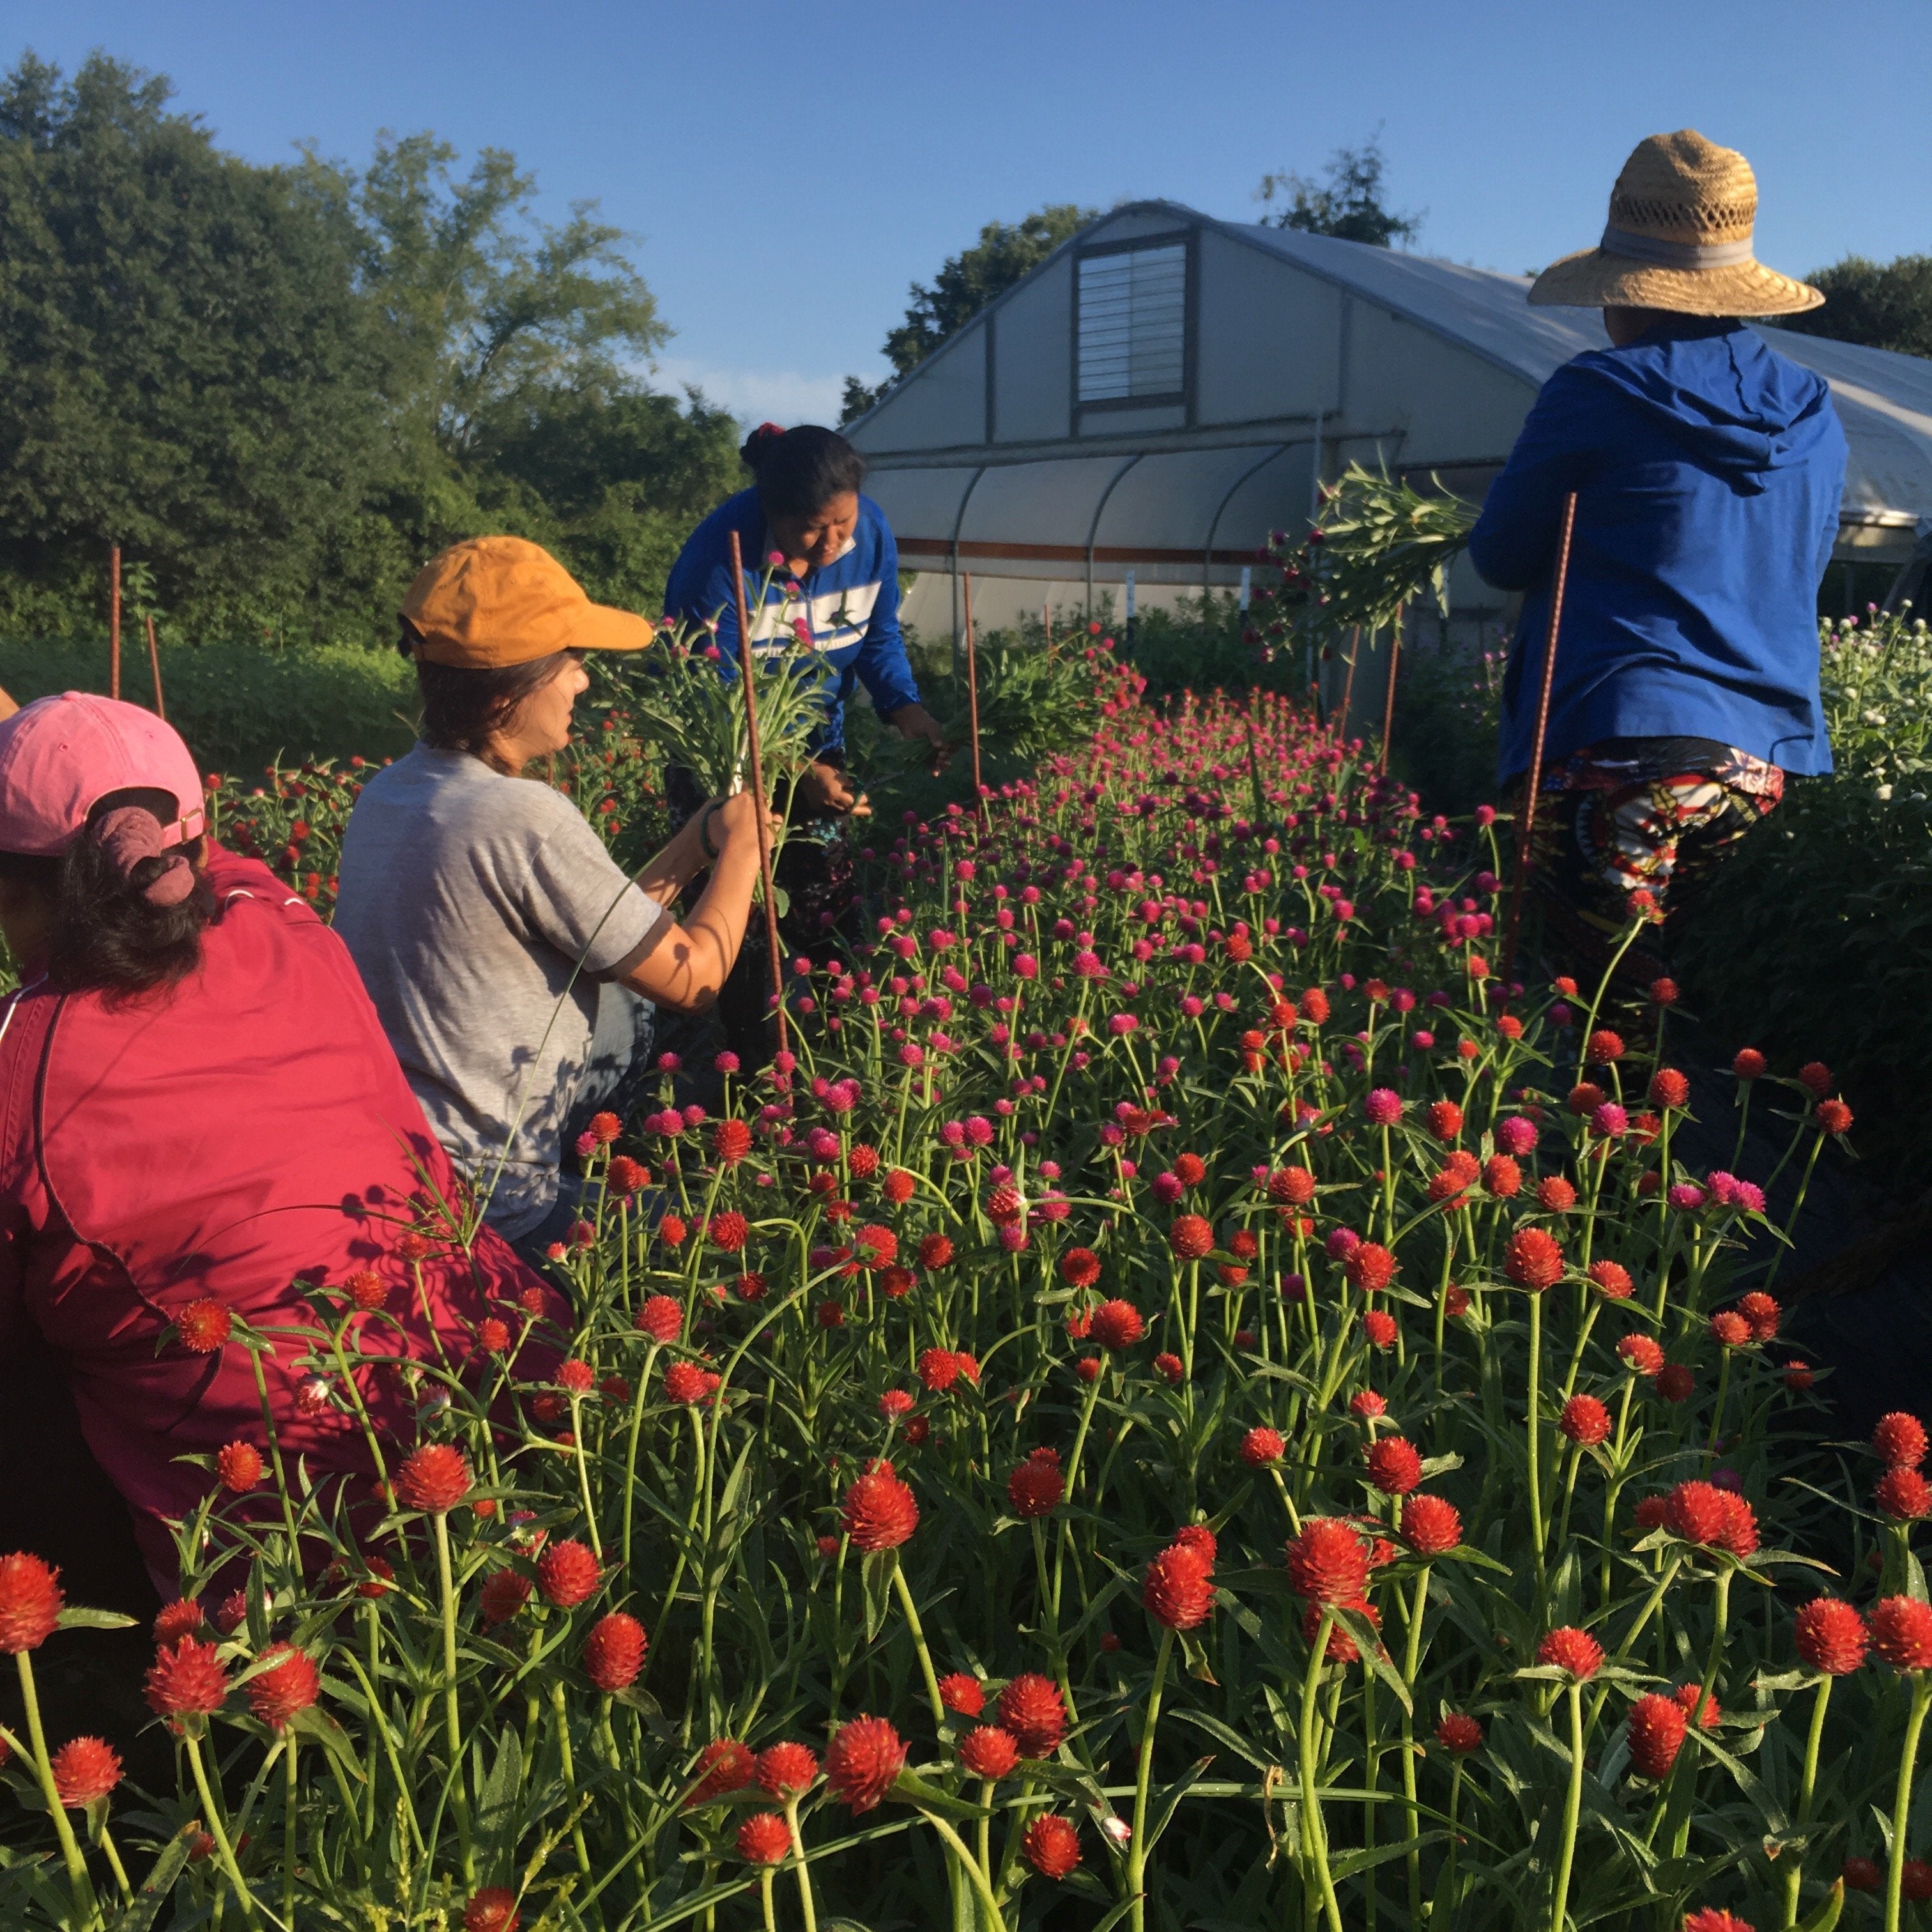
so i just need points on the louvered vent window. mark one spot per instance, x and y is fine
(1133, 323)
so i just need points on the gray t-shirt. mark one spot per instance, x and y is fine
(482, 912)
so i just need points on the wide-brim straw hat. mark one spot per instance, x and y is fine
(1678, 238)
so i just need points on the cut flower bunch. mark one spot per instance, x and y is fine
(1181, 1399)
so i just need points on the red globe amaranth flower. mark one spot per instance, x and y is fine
(1501, 1176)
(1675, 1382)
(1695, 1512)
(614, 1652)
(897, 1186)
(1650, 1514)
(862, 1760)
(1574, 1652)
(1657, 1726)
(1729, 1329)
(1458, 1733)
(1797, 1376)
(1328, 1563)
(288, 1687)
(661, 1318)
(880, 1511)
(238, 1466)
(1554, 1196)
(685, 1383)
(1612, 1281)
(1584, 1421)
(567, 1574)
(1291, 1187)
(1379, 1326)
(728, 1231)
(1904, 1494)
(1532, 1259)
(625, 1176)
(1863, 1875)
(1445, 1119)
(935, 1251)
(187, 1680)
(30, 1602)
(730, 1141)
(504, 1594)
(1170, 1368)
(1394, 1465)
(181, 1618)
(1052, 1846)
(433, 1479)
(1915, 1880)
(1179, 1589)
(764, 1838)
(1749, 1063)
(1035, 1487)
(959, 1692)
(491, 1909)
(1190, 1237)
(85, 1770)
(1341, 1647)
(1431, 1525)
(368, 1290)
(1603, 1047)
(671, 1230)
(1763, 1313)
(204, 1325)
(1901, 1632)
(724, 1765)
(1712, 1919)
(1369, 1266)
(987, 1751)
(1080, 1267)
(1669, 1088)
(1688, 1696)
(1834, 1117)
(1262, 1448)
(785, 1770)
(1815, 1077)
(1030, 1707)
(1900, 1440)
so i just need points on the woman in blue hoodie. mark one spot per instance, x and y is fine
(1708, 470)
(838, 579)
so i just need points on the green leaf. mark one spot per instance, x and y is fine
(876, 1568)
(140, 1911)
(75, 1618)
(1824, 1915)
(911, 1789)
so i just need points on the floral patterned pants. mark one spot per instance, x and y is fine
(1657, 814)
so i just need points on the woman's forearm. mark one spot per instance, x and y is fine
(688, 965)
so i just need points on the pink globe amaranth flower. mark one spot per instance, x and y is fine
(862, 1759)
(1383, 1107)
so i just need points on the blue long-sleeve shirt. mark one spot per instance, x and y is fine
(851, 604)
(1708, 470)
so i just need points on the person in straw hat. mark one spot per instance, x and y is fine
(1707, 469)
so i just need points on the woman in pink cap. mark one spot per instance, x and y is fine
(202, 1127)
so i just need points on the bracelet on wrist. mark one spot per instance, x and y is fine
(711, 851)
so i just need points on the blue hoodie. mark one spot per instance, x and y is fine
(852, 604)
(1708, 470)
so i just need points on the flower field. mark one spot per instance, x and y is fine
(1180, 1400)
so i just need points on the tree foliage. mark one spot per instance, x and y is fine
(283, 388)
(1882, 304)
(1005, 252)
(1348, 204)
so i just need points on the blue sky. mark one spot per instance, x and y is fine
(788, 171)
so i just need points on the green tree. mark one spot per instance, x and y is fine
(965, 283)
(184, 360)
(1883, 304)
(1348, 204)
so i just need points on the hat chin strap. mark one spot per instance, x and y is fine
(1674, 254)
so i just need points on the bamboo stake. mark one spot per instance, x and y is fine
(114, 620)
(1388, 700)
(1348, 682)
(758, 790)
(1526, 824)
(154, 665)
(973, 696)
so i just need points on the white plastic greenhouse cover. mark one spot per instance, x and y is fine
(1175, 513)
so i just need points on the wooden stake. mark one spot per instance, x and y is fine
(1525, 821)
(758, 790)
(1388, 701)
(973, 696)
(154, 666)
(114, 620)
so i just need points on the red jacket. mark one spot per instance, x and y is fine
(246, 1133)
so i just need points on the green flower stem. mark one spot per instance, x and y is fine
(1137, 1845)
(1533, 1425)
(218, 1829)
(560, 1707)
(765, 1899)
(1901, 1801)
(1314, 1834)
(291, 1813)
(1794, 1877)
(989, 1905)
(638, 1399)
(70, 1852)
(807, 1909)
(1411, 1664)
(906, 1603)
(1573, 1805)
(1444, 1904)
(452, 1716)
(114, 1865)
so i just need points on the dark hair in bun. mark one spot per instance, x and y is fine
(801, 470)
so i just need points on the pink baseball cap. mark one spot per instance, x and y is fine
(60, 756)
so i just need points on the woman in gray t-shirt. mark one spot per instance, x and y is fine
(504, 948)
